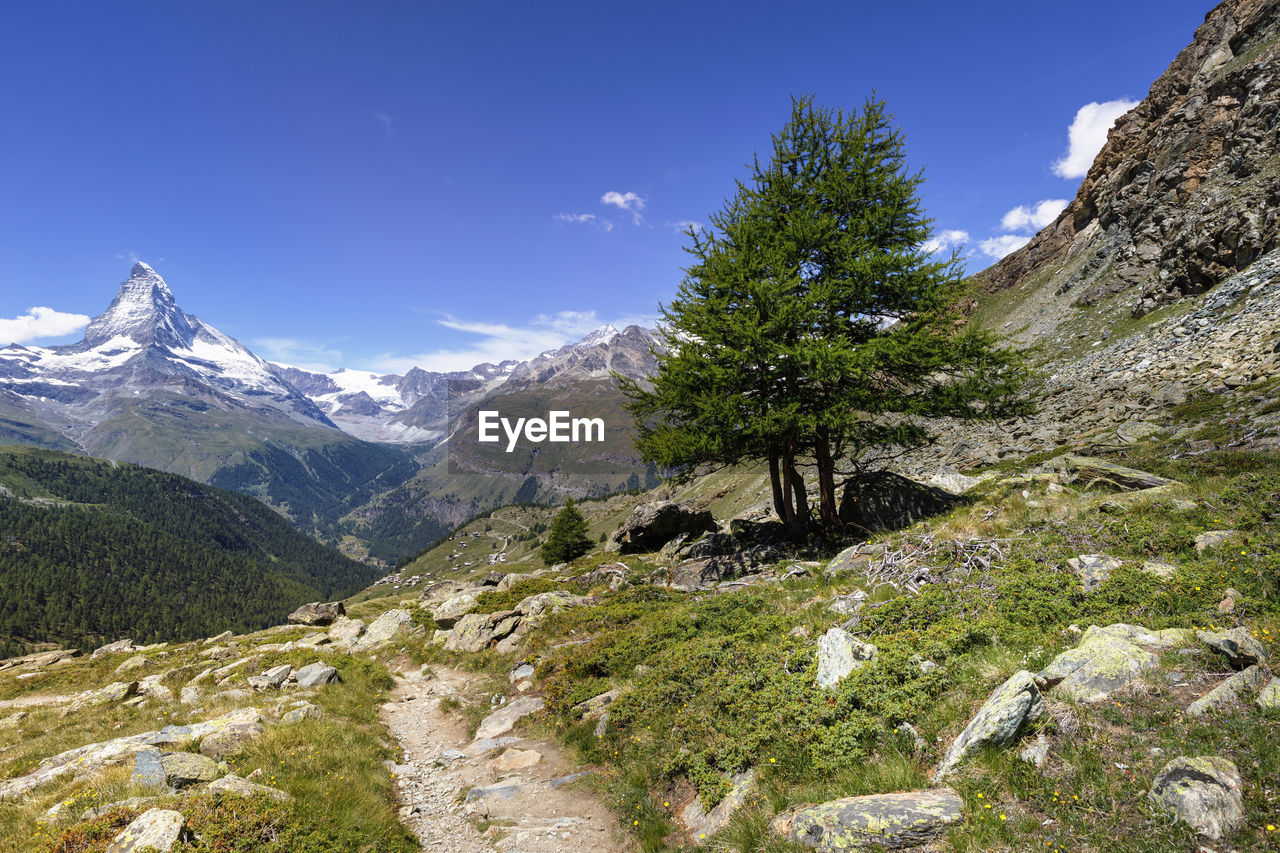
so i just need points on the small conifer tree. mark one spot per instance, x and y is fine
(567, 539)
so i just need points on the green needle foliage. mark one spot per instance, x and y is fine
(567, 540)
(814, 324)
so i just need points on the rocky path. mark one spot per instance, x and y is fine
(505, 793)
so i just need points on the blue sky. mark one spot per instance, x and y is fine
(383, 184)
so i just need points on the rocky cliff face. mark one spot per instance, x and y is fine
(1184, 193)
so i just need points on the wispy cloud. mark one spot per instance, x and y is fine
(385, 121)
(574, 217)
(298, 352)
(1087, 134)
(945, 241)
(498, 342)
(40, 322)
(684, 226)
(1005, 244)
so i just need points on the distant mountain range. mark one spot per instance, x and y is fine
(334, 452)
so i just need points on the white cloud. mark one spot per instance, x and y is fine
(385, 121)
(685, 225)
(1087, 135)
(623, 201)
(1035, 217)
(949, 239)
(998, 247)
(296, 352)
(497, 342)
(574, 217)
(606, 225)
(39, 323)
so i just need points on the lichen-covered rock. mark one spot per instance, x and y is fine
(271, 679)
(448, 612)
(839, 654)
(504, 719)
(475, 631)
(1230, 692)
(1205, 792)
(117, 691)
(1239, 648)
(1106, 660)
(316, 674)
(305, 711)
(345, 633)
(156, 830)
(700, 824)
(318, 613)
(234, 785)
(893, 821)
(387, 627)
(999, 720)
(230, 736)
(174, 770)
(549, 602)
(1099, 473)
(1269, 696)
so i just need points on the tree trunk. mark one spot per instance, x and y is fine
(827, 509)
(780, 504)
(800, 521)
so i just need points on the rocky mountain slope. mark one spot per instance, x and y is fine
(1184, 192)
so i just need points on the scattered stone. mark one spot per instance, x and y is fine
(318, 614)
(221, 638)
(515, 759)
(702, 824)
(561, 781)
(1036, 753)
(1106, 660)
(387, 628)
(919, 743)
(475, 631)
(503, 790)
(881, 820)
(155, 829)
(552, 601)
(652, 525)
(1161, 570)
(271, 679)
(346, 632)
(520, 672)
(316, 674)
(999, 721)
(173, 770)
(1229, 692)
(234, 785)
(1239, 648)
(305, 711)
(504, 719)
(845, 605)
(883, 500)
(1269, 696)
(950, 480)
(839, 654)
(1205, 792)
(448, 612)
(113, 648)
(1093, 569)
(234, 730)
(135, 662)
(1099, 473)
(117, 691)
(1217, 539)
(1229, 601)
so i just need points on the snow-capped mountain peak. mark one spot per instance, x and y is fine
(602, 335)
(143, 311)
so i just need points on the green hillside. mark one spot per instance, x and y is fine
(93, 550)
